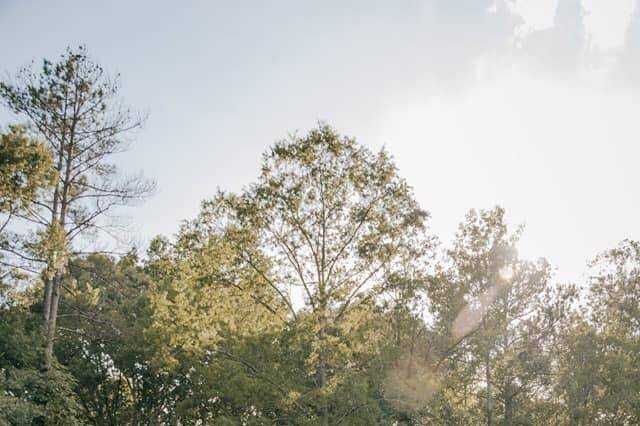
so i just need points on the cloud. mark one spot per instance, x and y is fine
(581, 37)
(537, 15)
(607, 22)
(557, 51)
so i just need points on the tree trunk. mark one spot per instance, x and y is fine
(48, 293)
(508, 409)
(322, 378)
(54, 286)
(51, 323)
(489, 399)
(49, 282)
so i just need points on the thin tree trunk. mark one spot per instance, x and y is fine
(62, 199)
(48, 293)
(49, 283)
(51, 323)
(48, 290)
(489, 397)
(322, 373)
(508, 410)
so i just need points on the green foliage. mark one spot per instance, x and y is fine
(315, 296)
(29, 396)
(337, 221)
(25, 168)
(102, 341)
(496, 320)
(203, 291)
(600, 361)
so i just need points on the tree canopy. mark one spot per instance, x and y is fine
(316, 295)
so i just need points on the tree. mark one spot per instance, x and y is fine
(73, 107)
(335, 220)
(600, 357)
(498, 318)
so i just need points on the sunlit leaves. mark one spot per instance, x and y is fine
(25, 168)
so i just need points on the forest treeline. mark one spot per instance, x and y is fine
(317, 295)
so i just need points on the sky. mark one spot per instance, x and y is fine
(529, 104)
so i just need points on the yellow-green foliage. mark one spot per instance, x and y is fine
(204, 292)
(25, 167)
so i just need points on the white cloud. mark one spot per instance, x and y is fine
(607, 22)
(537, 15)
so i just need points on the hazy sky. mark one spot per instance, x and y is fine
(530, 104)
